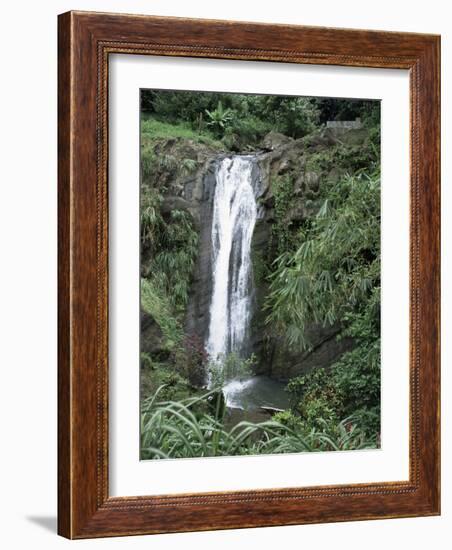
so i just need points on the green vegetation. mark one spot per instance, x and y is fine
(174, 245)
(219, 119)
(335, 270)
(174, 429)
(153, 130)
(159, 374)
(157, 303)
(350, 388)
(169, 250)
(240, 121)
(332, 277)
(282, 187)
(351, 158)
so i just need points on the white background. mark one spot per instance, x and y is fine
(28, 274)
(128, 476)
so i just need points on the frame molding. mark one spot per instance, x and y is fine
(85, 41)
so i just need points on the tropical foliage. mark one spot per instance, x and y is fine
(174, 429)
(242, 120)
(335, 269)
(219, 118)
(329, 275)
(174, 245)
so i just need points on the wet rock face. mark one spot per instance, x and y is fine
(197, 318)
(325, 350)
(152, 338)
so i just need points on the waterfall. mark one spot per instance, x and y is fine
(234, 218)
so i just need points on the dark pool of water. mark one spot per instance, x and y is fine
(251, 394)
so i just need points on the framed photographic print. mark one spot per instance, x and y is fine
(248, 275)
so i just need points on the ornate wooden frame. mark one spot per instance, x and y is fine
(84, 44)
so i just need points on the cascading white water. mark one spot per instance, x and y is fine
(234, 218)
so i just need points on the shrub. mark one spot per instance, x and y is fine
(335, 271)
(174, 386)
(156, 303)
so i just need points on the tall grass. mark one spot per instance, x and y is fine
(171, 429)
(154, 129)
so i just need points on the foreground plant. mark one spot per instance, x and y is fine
(195, 427)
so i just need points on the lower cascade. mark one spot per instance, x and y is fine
(234, 218)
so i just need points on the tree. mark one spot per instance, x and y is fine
(219, 118)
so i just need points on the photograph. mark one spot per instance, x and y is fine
(260, 267)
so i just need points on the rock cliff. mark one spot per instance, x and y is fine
(325, 155)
